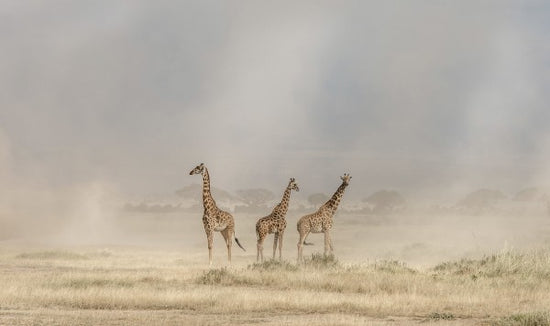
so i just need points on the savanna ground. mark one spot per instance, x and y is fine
(442, 271)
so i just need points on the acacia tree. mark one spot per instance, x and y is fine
(194, 192)
(385, 200)
(255, 197)
(530, 194)
(482, 198)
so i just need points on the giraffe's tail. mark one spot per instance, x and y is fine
(308, 243)
(237, 240)
(238, 243)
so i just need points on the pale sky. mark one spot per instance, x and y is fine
(417, 96)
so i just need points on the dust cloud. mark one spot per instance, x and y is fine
(106, 106)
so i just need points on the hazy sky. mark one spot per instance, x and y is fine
(408, 95)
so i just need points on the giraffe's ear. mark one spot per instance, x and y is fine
(292, 179)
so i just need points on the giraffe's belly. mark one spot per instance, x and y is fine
(220, 227)
(317, 228)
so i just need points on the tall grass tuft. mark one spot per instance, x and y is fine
(215, 276)
(393, 267)
(223, 276)
(320, 261)
(273, 265)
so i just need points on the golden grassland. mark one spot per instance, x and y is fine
(130, 285)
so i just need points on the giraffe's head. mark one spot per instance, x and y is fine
(293, 185)
(198, 169)
(346, 178)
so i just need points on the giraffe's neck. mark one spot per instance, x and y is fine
(282, 207)
(207, 200)
(332, 203)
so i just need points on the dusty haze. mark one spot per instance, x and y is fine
(106, 102)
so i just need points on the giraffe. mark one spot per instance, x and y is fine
(215, 219)
(321, 220)
(274, 223)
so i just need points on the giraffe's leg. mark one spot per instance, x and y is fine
(275, 239)
(299, 245)
(327, 241)
(260, 248)
(262, 251)
(210, 239)
(280, 245)
(228, 237)
(303, 236)
(258, 251)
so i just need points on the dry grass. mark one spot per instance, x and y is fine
(525, 319)
(509, 288)
(51, 254)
